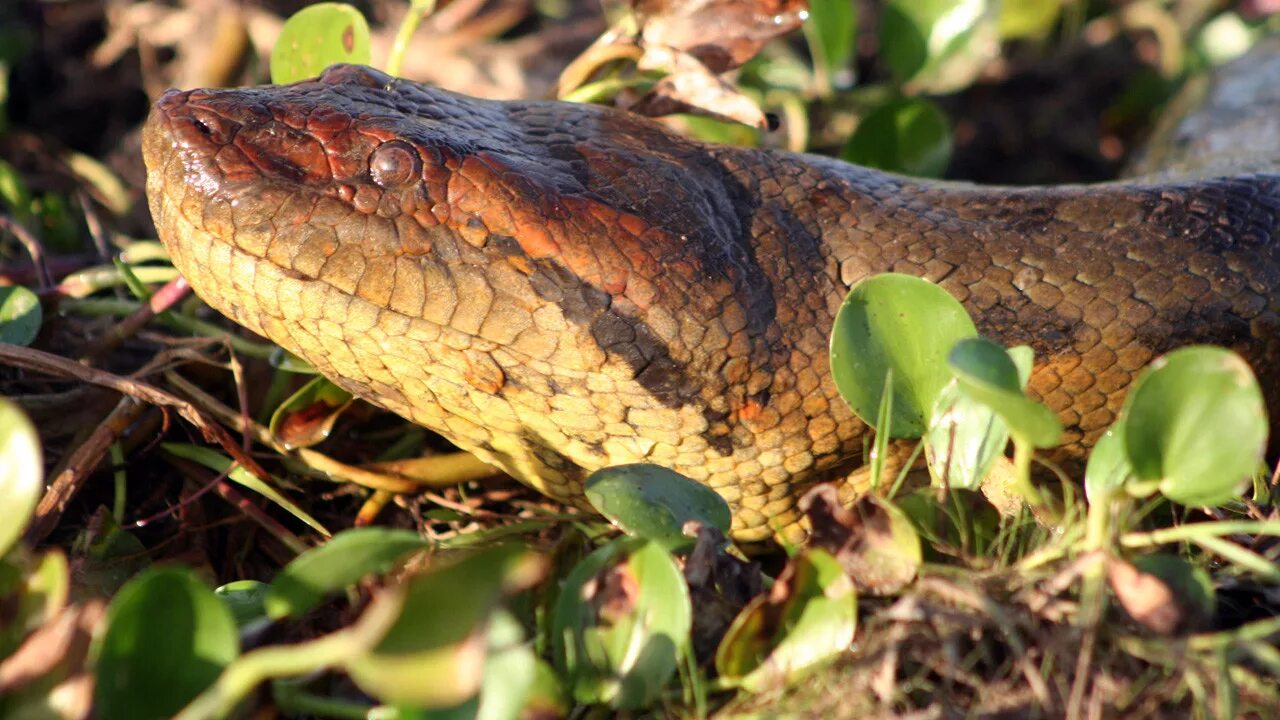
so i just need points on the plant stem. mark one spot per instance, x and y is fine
(418, 9)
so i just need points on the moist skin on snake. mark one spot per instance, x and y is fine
(558, 288)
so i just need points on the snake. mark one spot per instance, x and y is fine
(559, 288)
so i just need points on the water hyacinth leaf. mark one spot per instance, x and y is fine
(167, 638)
(1027, 18)
(903, 323)
(21, 473)
(919, 38)
(1195, 422)
(307, 417)
(433, 654)
(510, 672)
(316, 37)
(245, 599)
(986, 373)
(807, 619)
(831, 30)
(20, 315)
(621, 623)
(337, 564)
(909, 136)
(965, 437)
(652, 502)
(1108, 466)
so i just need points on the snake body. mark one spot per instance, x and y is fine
(558, 288)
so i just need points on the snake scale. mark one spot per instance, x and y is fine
(558, 288)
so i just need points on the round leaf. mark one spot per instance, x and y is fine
(909, 136)
(433, 654)
(1196, 422)
(168, 637)
(1108, 466)
(342, 561)
(21, 473)
(780, 636)
(654, 503)
(831, 30)
(20, 315)
(903, 323)
(244, 598)
(986, 373)
(626, 658)
(965, 437)
(919, 38)
(316, 37)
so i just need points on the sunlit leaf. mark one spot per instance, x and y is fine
(1195, 421)
(808, 619)
(433, 655)
(650, 501)
(316, 37)
(621, 622)
(1108, 467)
(21, 473)
(904, 323)
(1028, 18)
(831, 30)
(20, 315)
(986, 373)
(307, 417)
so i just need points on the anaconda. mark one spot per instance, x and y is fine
(559, 288)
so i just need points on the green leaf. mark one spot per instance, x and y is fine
(831, 32)
(652, 502)
(1108, 467)
(909, 136)
(220, 463)
(14, 193)
(20, 315)
(772, 642)
(1195, 421)
(1027, 18)
(339, 563)
(308, 415)
(987, 374)
(316, 37)
(964, 440)
(904, 323)
(244, 598)
(625, 656)
(433, 654)
(21, 473)
(918, 37)
(167, 638)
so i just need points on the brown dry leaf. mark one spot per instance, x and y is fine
(691, 87)
(721, 34)
(874, 541)
(60, 646)
(1147, 598)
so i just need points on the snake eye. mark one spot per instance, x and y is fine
(394, 164)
